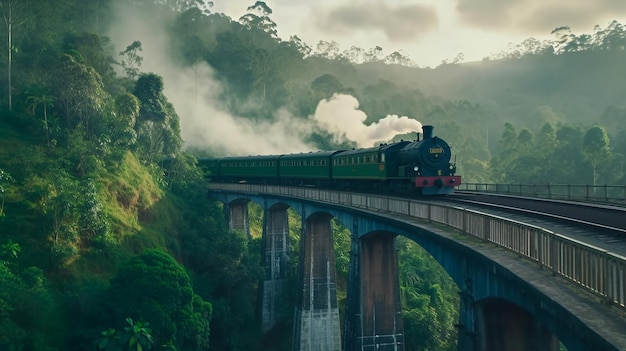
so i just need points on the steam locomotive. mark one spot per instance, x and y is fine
(420, 167)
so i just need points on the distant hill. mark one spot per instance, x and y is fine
(528, 91)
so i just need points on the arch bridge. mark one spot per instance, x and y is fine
(520, 287)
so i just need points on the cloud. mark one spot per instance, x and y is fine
(398, 23)
(538, 16)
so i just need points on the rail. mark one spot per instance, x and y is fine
(589, 193)
(597, 270)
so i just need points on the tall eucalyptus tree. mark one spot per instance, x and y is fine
(14, 14)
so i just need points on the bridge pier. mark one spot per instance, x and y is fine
(236, 214)
(466, 327)
(352, 324)
(376, 323)
(276, 252)
(503, 326)
(316, 320)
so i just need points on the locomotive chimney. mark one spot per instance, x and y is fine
(427, 131)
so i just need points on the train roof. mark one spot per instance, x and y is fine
(380, 148)
(309, 155)
(250, 157)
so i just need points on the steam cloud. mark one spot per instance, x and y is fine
(341, 116)
(206, 123)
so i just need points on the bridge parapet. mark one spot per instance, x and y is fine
(576, 192)
(596, 270)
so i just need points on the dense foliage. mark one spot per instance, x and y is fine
(121, 253)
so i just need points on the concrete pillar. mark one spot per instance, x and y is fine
(381, 308)
(237, 215)
(316, 320)
(466, 325)
(503, 326)
(276, 253)
(352, 325)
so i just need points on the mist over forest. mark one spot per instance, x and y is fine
(234, 77)
(99, 236)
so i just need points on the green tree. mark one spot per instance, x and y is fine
(26, 306)
(546, 140)
(158, 126)
(596, 148)
(10, 250)
(507, 152)
(399, 58)
(153, 287)
(5, 183)
(568, 156)
(132, 60)
(429, 299)
(93, 51)
(139, 335)
(326, 85)
(258, 18)
(14, 14)
(57, 196)
(613, 37)
(109, 340)
(123, 121)
(45, 100)
(80, 91)
(328, 50)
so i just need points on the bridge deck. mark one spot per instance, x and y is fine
(608, 321)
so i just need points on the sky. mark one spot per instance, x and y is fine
(430, 31)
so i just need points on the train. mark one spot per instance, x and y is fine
(421, 167)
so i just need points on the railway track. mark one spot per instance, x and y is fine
(599, 225)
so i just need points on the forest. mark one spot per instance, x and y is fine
(103, 248)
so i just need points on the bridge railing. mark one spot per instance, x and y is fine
(575, 192)
(597, 270)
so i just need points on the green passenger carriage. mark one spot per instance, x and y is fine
(249, 167)
(306, 166)
(375, 163)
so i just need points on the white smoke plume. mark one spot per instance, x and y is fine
(207, 124)
(204, 124)
(195, 94)
(341, 116)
